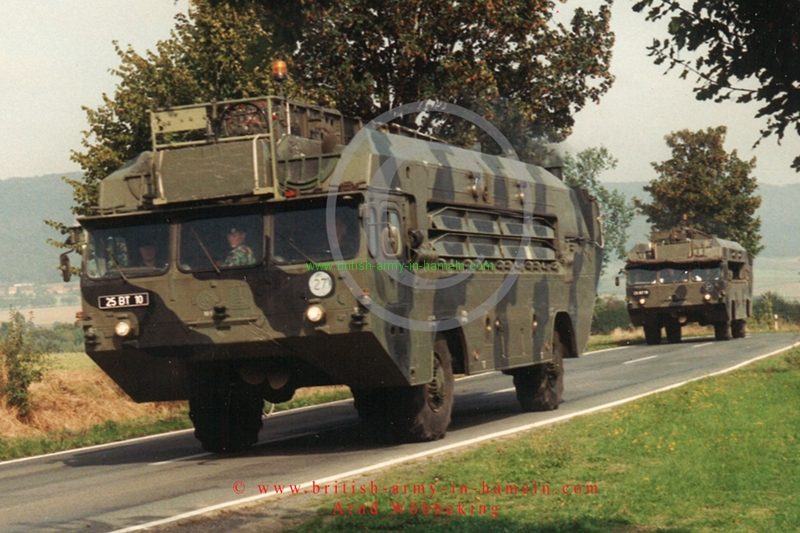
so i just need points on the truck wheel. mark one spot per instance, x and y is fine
(673, 332)
(652, 333)
(541, 387)
(225, 410)
(370, 404)
(422, 413)
(722, 330)
(739, 329)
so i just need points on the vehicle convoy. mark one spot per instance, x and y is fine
(684, 275)
(264, 245)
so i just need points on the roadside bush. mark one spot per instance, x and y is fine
(609, 314)
(770, 303)
(22, 363)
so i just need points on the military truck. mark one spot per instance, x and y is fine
(262, 246)
(684, 276)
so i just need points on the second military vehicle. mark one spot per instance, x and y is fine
(684, 275)
(264, 245)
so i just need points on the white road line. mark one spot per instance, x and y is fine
(606, 350)
(639, 360)
(441, 449)
(177, 459)
(501, 391)
(701, 345)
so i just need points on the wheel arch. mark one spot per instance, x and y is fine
(563, 326)
(456, 343)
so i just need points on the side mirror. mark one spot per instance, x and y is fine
(64, 267)
(77, 236)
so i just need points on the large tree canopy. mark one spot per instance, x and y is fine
(507, 61)
(704, 187)
(736, 43)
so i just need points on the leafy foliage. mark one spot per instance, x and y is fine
(22, 363)
(704, 187)
(610, 314)
(766, 305)
(506, 61)
(736, 40)
(584, 170)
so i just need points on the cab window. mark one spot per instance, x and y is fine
(221, 243)
(130, 251)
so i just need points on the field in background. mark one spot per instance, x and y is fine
(47, 316)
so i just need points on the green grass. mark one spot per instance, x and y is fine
(720, 454)
(110, 431)
(71, 361)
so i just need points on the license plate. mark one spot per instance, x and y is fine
(139, 299)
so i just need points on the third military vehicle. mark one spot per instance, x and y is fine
(264, 245)
(684, 275)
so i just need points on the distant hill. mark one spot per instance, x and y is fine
(25, 256)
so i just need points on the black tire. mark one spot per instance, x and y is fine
(739, 329)
(541, 387)
(673, 332)
(652, 333)
(370, 404)
(722, 330)
(225, 410)
(420, 413)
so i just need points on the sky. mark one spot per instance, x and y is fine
(55, 57)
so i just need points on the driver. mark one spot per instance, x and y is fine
(240, 253)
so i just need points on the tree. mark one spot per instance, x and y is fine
(584, 170)
(704, 187)
(506, 61)
(736, 41)
(22, 364)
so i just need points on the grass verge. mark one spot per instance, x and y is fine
(109, 431)
(720, 454)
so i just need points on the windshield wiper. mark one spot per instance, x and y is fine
(116, 262)
(297, 248)
(205, 250)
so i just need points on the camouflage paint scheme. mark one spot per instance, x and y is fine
(241, 159)
(683, 276)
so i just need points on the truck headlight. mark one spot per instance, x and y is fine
(315, 313)
(123, 328)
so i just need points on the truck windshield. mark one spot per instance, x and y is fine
(221, 242)
(673, 275)
(302, 235)
(706, 274)
(641, 276)
(129, 251)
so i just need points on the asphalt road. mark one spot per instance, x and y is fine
(124, 486)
